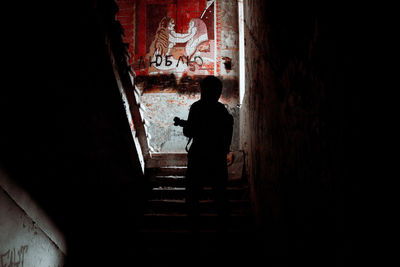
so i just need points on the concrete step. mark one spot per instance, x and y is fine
(165, 192)
(167, 159)
(179, 239)
(206, 221)
(180, 234)
(180, 181)
(180, 247)
(168, 180)
(213, 253)
(235, 253)
(166, 171)
(179, 205)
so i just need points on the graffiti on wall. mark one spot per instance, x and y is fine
(179, 38)
(13, 257)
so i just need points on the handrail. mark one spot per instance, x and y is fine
(127, 90)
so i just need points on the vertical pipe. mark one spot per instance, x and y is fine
(215, 38)
(242, 85)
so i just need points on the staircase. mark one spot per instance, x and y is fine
(165, 229)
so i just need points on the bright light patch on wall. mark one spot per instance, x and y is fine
(28, 237)
(242, 85)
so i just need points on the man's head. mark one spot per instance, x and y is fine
(211, 89)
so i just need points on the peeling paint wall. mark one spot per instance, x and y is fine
(168, 91)
(161, 108)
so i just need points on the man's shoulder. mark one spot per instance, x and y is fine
(196, 105)
(217, 108)
(220, 105)
(223, 108)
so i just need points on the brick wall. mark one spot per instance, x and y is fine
(126, 16)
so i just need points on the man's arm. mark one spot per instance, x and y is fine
(229, 133)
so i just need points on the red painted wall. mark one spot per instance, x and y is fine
(141, 19)
(126, 16)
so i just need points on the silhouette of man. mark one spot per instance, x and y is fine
(210, 126)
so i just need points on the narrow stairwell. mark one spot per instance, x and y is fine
(166, 233)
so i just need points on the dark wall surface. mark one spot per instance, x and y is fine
(300, 129)
(65, 139)
(64, 133)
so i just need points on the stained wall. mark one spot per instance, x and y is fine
(168, 78)
(298, 129)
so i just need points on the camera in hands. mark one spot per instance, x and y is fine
(179, 122)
